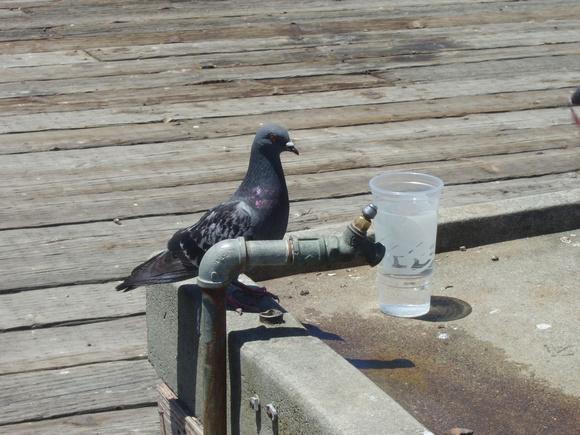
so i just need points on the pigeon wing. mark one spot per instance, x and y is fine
(226, 221)
(187, 247)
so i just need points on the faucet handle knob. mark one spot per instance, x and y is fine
(363, 222)
(370, 211)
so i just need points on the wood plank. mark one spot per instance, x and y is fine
(191, 17)
(98, 20)
(427, 90)
(74, 345)
(5, 14)
(63, 37)
(444, 51)
(296, 120)
(505, 69)
(53, 59)
(186, 73)
(168, 165)
(94, 15)
(175, 420)
(57, 393)
(187, 93)
(55, 14)
(60, 257)
(45, 205)
(191, 63)
(144, 420)
(67, 306)
(488, 36)
(333, 211)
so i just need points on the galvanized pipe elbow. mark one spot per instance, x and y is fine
(222, 263)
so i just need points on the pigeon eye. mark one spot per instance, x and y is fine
(273, 138)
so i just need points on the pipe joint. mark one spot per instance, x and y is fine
(222, 263)
(323, 250)
(315, 250)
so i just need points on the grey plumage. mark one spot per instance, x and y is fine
(258, 210)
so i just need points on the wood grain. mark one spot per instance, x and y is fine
(56, 393)
(142, 420)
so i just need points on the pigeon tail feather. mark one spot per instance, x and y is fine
(163, 268)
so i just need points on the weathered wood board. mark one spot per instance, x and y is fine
(94, 342)
(56, 393)
(142, 420)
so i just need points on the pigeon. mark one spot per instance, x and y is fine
(574, 100)
(258, 210)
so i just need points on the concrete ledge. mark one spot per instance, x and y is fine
(313, 389)
(510, 219)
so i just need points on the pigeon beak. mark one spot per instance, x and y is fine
(290, 147)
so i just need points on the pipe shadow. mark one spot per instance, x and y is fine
(319, 333)
(399, 363)
(446, 309)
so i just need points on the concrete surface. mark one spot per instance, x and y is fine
(313, 389)
(498, 353)
(173, 313)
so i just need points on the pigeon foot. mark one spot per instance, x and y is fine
(253, 292)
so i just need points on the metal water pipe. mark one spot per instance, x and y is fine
(227, 259)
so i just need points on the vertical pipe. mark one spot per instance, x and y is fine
(214, 373)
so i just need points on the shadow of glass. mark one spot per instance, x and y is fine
(445, 309)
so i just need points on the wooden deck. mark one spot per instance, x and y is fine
(122, 121)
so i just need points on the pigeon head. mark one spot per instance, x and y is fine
(273, 139)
